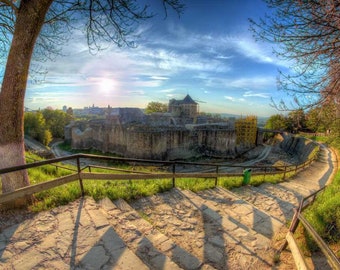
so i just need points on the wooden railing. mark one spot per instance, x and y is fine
(290, 240)
(297, 218)
(212, 170)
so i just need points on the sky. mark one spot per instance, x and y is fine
(208, 52)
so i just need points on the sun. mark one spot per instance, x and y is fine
(106, 85)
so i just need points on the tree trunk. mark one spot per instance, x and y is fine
(30, 18)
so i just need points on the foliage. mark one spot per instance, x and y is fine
(323, 118)
(35, 127)
(304, 33)
(296, 120)
(154, 106)
(277, 122)
(320, 118)
(56, 120)
(46, 124)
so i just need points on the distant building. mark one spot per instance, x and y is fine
(183, 108)
(95, 110)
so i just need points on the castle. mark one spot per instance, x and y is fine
(181, 133)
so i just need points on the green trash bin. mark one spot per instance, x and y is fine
(246, 176)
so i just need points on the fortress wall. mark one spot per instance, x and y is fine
(147, 145)
(217, 142)
(161, 143)
(299, 146)
(82, 139)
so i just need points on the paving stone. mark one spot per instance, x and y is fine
(125, 259)
(28, 260)
(95, 258)
(185, 259)
(98, 218)
(164, 263)
(111, 240)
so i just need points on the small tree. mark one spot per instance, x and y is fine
(154, 106)
(35, 126)
(56, 120)
(321, 118)
(296, 120)
(277, 122)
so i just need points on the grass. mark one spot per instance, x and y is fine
(125, 189)
(324, 213)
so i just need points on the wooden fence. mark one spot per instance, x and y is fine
(212, 170)
(290, 240)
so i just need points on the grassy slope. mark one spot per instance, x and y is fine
(126, 189)
(324, 214)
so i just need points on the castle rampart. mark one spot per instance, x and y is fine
(178, 134)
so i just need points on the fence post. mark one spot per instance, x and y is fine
(80, 180)
(284, 174)
(173, 174)
(216, 178)
(292, 228)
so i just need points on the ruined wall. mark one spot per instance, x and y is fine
(146, 142)
(301, 147)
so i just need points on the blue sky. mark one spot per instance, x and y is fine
(208, 53)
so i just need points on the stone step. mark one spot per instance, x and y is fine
(75, 236)
(277, 208)
(314, 177)
(324, 155)
(241, 211)
(218, 241)
(253, 246)
(297, 188)
(177, 219)
(281, 193)
(152, 247)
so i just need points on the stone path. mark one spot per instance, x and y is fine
(178, 229)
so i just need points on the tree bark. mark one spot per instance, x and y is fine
(29, 21)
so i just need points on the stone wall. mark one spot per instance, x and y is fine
(147, 142)
(301, 147)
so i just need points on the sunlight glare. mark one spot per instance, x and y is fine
(106, 85)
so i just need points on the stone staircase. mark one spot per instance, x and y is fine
(177, 229)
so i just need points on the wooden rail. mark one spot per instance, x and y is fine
(290, 240)
(80, 175)
(297, 254)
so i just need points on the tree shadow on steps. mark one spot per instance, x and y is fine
(219, 239)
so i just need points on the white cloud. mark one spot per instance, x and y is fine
(167, 90)
(253, 94)
(229, 98)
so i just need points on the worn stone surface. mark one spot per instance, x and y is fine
(76, 236)
(178, 229)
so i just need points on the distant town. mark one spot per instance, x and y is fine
(94, 111)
